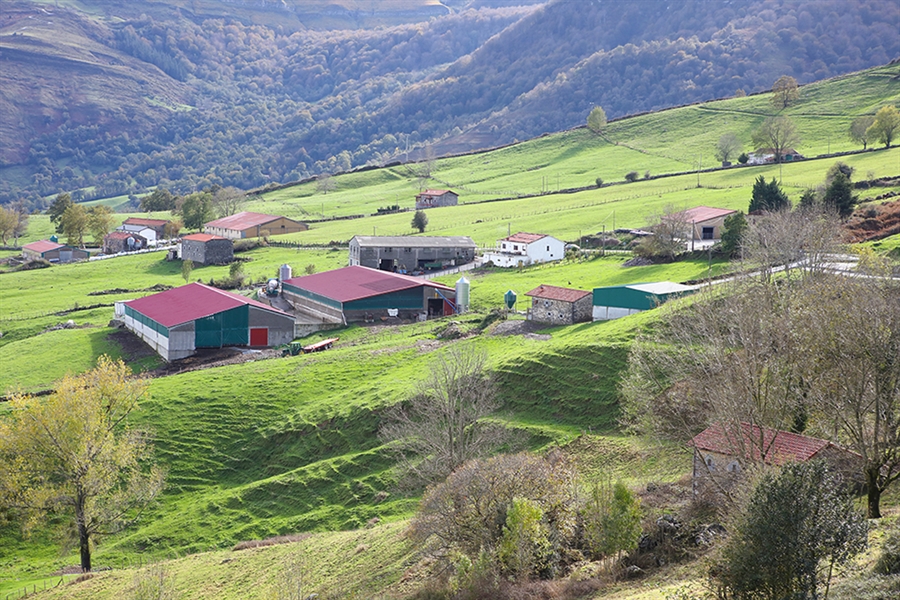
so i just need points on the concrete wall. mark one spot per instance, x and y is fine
(409, 258)
(178, 344)
(281, 327)
(310, 308)
(607, 313)
(558, 312)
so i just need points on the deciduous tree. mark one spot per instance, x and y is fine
(196, 210)
(420, 221)
(886, 125)
(728, 147)
(776, 134)
(442, 425)
(160, 200)
(227, 201)
(73, 453)
(74, 223)
(99, 222)
(596, 121)
(859, 129)
(785, 92)
(57, 208)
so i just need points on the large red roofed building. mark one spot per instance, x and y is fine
(176, 322)
(252, 225)
(523, 249)
(559, 305)
(722, 452)
(360, 294)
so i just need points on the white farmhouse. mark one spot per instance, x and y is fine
(523, 249)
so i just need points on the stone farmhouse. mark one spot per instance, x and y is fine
(436, 198)
(123, 241)
(206, 249)
(559, 306)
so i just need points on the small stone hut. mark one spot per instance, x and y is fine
(206, 249)
(559, 306)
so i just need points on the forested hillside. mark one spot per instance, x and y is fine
(119, 99)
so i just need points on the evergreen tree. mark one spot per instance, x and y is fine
(767, 197)
(839, 196)
(735, 226)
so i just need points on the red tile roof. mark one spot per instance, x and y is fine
(203, 237)
(42, 246)
(242, 220)
(356, 282)
(189, 302)
(120, 235)
(698, 214)
(525, 238)
(780, 447)
(145, 222)
(436, 192)
(552, 292)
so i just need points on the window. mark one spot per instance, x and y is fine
(546, 303)
(707, 233)
(515, 246)
(548, 248)
(710, 463)
(734, 467)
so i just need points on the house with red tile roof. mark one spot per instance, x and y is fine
(357, 293)
(522, 249)
(722, 452)
(702, 223)
(559, 305)
(150, 229)
(207, 249)
(53, 252)
(252, 225)
(176, 322)
(435, 198)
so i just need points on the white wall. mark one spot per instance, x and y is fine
(607, 313)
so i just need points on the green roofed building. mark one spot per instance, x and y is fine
(623, 300)
(176, 322)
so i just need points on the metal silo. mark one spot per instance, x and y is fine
(462, 295)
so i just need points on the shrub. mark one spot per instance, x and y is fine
(611, 520)
(743, 158)
(631, 176)
(599, 181)
(889, 561)
(153, 583)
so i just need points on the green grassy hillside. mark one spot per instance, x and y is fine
(290, 444)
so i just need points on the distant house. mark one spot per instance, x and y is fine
(206, 249)
(408, 253)
(435, 198)
(523, 249)
(252, 225)
(722, 452)
(764, 156)
(559, 306)
(176, 322)
(702, 223)
(618, 301)
(53, 252)
(353, 294)
(123, 241)
(150, 229)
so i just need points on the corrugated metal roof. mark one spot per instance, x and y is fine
(780, 447)
(242, 220)
(42, 246)
(525, 238)
(552, 292)
(661, 288)
(203, 237)
(357, 282)
(145, 222)
(698, 214)
(413, 241)
(189, 302)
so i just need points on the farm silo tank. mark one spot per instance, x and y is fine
(462, 295)
(284, 272)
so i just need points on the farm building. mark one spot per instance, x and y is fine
(53, 251)
(252, 225)
(409, 253)
(702, 223)
(361, 294)
(721, 453)
(206, 249)
(559, 305)
(151, 229)
(123, 241)
(435, 198)
(623, 300)
(523, 249)
(764, 156)
(177, 322)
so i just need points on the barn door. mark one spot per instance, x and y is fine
(259, 336)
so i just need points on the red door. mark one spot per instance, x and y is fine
(259, 336)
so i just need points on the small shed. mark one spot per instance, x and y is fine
(559, 305)
(123, 241)
(618, 301)
(252, 225)
(436, 198)
(206, 249)
(176, 322)
(722, 452)
(356, 293)
(53, 252)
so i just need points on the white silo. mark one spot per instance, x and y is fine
(462, 295)
(284, 272)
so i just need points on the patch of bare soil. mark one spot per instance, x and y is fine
(521, 327)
